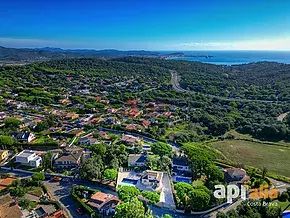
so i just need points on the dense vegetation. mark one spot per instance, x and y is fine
(262, 80)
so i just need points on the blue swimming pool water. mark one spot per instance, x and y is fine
(286, 214)
(130, 181)
(182, 179)
(40, 212)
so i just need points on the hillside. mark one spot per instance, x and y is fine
(262, 80)
(22, 56)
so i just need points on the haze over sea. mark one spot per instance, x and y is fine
(236, 57)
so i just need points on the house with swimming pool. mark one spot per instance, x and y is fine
(180, 164)
(180, 170)
(147, 180)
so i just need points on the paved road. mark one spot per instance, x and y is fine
(61, 193)
(166, 195)
(281, 186)
(175, 84)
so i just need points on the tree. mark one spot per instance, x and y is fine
(166, 216)
(98, 149)
(41, 126)
(198, 199)
(12, 123)
(24, 203)
(47, 160)
(182, 189)
(221, 215)
(39, 176)
(161, 149)
(164, 162)
(126, 193)
(6, 142)
(131, 209)
(17, 189)
(111, 174)
(152, 162)
(92, 168)
(264, 172)
(273, 212)
(117, 152)
(191, 198)
(198, 164)
(213, 173)
(153, 197)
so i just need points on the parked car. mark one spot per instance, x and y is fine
(57, 179)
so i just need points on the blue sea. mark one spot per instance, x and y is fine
(236, 57)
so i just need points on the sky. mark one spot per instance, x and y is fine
(146, 24)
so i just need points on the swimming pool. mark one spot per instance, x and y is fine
(130, 181)
(182, 179)
(286, 214)
(40, 212)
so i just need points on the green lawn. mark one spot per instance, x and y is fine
(283, 205)
(275, 158)
(33, 169)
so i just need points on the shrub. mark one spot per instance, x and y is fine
(38, 176)
(283, 196)
(126, 193)
(153, 197)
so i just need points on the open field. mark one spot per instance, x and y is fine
(274, 158)
(283, 205)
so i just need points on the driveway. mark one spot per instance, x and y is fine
(166, 196)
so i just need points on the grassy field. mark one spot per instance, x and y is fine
(275, 158)
(283, 205)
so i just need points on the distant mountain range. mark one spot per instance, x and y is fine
(14, 55)
(28, 55)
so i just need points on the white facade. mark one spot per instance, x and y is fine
(28, 158)
(31, 137)
(181, 168)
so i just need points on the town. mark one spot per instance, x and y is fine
(73, 146)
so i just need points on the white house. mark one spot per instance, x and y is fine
(24, 137)
(88, 141)
(151, 178)
(28, 158)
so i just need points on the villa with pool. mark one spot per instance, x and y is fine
(147, 180)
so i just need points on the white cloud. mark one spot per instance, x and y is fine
(263, 44)
(25, 43)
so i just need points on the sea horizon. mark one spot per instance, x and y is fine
(235, 57)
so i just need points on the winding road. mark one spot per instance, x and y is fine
(176, 86)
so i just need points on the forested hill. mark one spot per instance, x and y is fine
(262, 80)
(22, 56)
